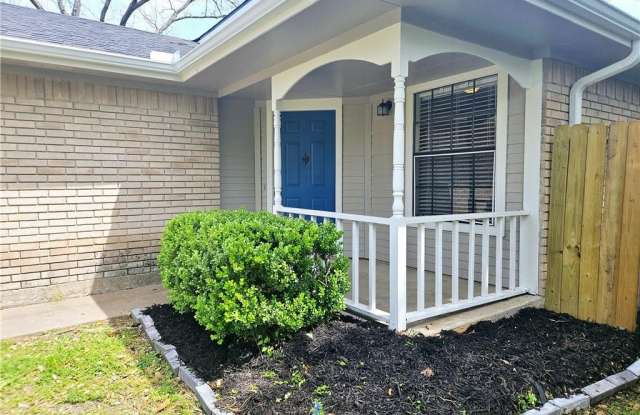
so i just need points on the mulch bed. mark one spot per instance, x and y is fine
(354, 366)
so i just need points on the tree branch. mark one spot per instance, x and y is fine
(209, 16)
(218, 13)
(105, 8)
(133, 6)
(77, 4)
(37, 4)
(63, 9)
(174, 16)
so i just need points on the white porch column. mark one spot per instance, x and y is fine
(398, 146)
(530, 225)
(277, 160)
(398, 229)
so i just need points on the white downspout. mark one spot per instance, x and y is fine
(575, 96)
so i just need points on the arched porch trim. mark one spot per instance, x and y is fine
(379, 48)
(418, 43)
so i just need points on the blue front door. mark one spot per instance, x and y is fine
(309, 160)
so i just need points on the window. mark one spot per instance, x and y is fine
(454, 148)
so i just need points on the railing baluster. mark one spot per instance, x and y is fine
(512, 252)
(472, 260)
(485, 257)
(355, 262)
(312, 218)
(325, 220)
(372, 266)
(340, 228)
(499, 234)
(420, 266)
(455, 248)
(438, 264)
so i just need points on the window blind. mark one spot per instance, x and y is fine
(454, 148)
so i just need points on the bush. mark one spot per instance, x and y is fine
(253, 275)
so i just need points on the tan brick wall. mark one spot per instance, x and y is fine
(90, 173)
(606, 101)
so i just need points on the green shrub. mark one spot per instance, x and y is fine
(253, 275)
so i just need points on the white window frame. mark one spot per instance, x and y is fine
(502, 110)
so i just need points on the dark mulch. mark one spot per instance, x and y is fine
(354, 366)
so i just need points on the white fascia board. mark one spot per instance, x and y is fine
(241, 28)
(24, 50)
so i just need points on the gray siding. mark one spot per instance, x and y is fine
(237, 154)
(515, 147)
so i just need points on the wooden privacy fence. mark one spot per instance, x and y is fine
(594, 223)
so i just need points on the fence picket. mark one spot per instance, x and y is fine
(629, 256)
(559, 164)
(591, 221)
(612, 222)
(573, 219)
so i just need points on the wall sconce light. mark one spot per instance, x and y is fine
(384, 108)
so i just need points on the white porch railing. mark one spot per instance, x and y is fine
(484, 249)
(356, 222)
(499, 245)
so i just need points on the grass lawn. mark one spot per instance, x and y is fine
(97, 368)
(109, 368)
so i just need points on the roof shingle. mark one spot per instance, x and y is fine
(44, 26)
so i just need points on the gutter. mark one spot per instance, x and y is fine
(577, 89)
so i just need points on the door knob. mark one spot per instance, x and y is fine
(306, 159)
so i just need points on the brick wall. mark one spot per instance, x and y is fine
(90, 172)
(604, 102)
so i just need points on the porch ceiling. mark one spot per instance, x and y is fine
(517, 27)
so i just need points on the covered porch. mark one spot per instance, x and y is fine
(411, 258)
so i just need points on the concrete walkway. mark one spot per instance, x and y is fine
(36, 318)
(32, 319)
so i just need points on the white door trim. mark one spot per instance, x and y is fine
(319, 104)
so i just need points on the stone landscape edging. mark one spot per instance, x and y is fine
(187, 375)
(592, 394)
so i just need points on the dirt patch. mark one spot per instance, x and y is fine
(352, 366)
